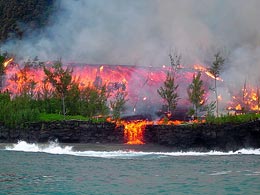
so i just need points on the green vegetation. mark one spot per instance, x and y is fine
(59, 98)
(118, 104)
(17, 111)
(233, 119)
(58, 117)
(61, 80)
(18, 18)
(168, 91)
(215, 69)
(196, 94)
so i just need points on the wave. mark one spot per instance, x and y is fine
(56, 148)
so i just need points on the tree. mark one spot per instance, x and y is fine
(258, 98)
(169, 89)
(168, 93)
(196, 93)
(215, 70)
(61, 80)
(2, 69)
(24, 82)
(118, 104)
(93, 101)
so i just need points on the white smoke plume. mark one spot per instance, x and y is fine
(144, 32)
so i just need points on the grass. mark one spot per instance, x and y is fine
(58, 117)
(242, 118)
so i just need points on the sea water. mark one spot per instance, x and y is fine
(120, 169)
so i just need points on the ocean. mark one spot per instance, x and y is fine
(55, 168)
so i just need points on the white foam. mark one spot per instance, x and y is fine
(55, 148)
(221, 173)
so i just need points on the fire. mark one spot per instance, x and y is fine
(101, 68)
(169, 122)
(248, 100)
(206, 71)
(134, 130)
(238, 107)
(8, 62)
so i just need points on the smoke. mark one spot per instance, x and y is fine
(144, 32)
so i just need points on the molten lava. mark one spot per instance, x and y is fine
(139, 83)
(134, 131)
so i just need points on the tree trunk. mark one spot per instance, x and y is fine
(63, 106)
(216, 93)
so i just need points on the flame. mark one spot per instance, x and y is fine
(248, 100)
(206, 71)
(134, 131)
(7, 62)
(101, 68)
(238, 107)
(164, 121)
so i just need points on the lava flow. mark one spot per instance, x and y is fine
(134, 131)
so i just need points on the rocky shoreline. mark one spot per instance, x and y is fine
(197, 137)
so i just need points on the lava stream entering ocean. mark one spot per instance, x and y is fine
(134, 131)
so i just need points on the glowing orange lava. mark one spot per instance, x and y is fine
(134, 131)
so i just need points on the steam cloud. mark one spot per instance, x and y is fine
(143, 32)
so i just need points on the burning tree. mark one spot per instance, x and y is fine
(169, 89)
(215, 71)
(118, 104)
(25, 83)
(61, 80)
(2, 69)
(196, 94)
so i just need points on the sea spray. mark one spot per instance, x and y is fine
(56, 148)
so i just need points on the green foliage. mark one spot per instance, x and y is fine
(217, 65)
(20, 17)
(209, 108)
(57, 117)
(73, 99)
(118, 104)
(169, 92)
(196, 93)
(242, 118)
(17, 111)
(2, 68)
(215, 69)
(93, 101)
(61, 80)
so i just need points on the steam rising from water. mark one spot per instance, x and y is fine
(143, 32)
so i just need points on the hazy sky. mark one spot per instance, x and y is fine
(143, 32)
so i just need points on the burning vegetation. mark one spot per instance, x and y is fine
(132, 96)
